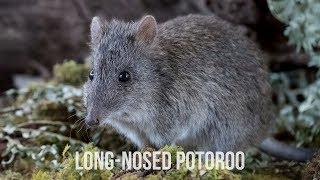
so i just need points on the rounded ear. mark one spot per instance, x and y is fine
(147, 29)
(95, 29)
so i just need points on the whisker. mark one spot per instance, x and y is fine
(86, 133)
(81, 127)
(87, 128)
(83, 136)
(79, 131)
(72, 116)
(70, 132)
(78, 122)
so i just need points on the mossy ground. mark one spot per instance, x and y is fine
(46, 117)
(68, 171)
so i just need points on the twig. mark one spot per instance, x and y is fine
(40, 122)
(51, 134)
(9, 110)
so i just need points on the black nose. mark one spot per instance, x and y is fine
(92, 121)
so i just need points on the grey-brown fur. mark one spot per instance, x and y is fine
(197, 83)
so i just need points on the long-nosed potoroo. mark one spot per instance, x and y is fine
(193, 81)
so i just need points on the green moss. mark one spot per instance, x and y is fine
(263, 177)
(10, 175)
(154, 176)
(41, 175)
(130, 176)
(70, 73)
(221, 174)
(105, 175)
(182, 173)
(173, 151)
(69, 172)
(68, 169)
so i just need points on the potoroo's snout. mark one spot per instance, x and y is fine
(91, 119)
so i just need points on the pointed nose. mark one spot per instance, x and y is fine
(91, 121)
(93, 116)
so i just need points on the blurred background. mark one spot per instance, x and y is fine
(43, 64)
(36, 34)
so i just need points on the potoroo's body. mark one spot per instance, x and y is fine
(193, 81)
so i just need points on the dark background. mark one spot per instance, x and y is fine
(36, 34)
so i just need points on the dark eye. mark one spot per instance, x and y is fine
(91, 75)
(124, 76)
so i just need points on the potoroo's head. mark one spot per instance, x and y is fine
(122, 81)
